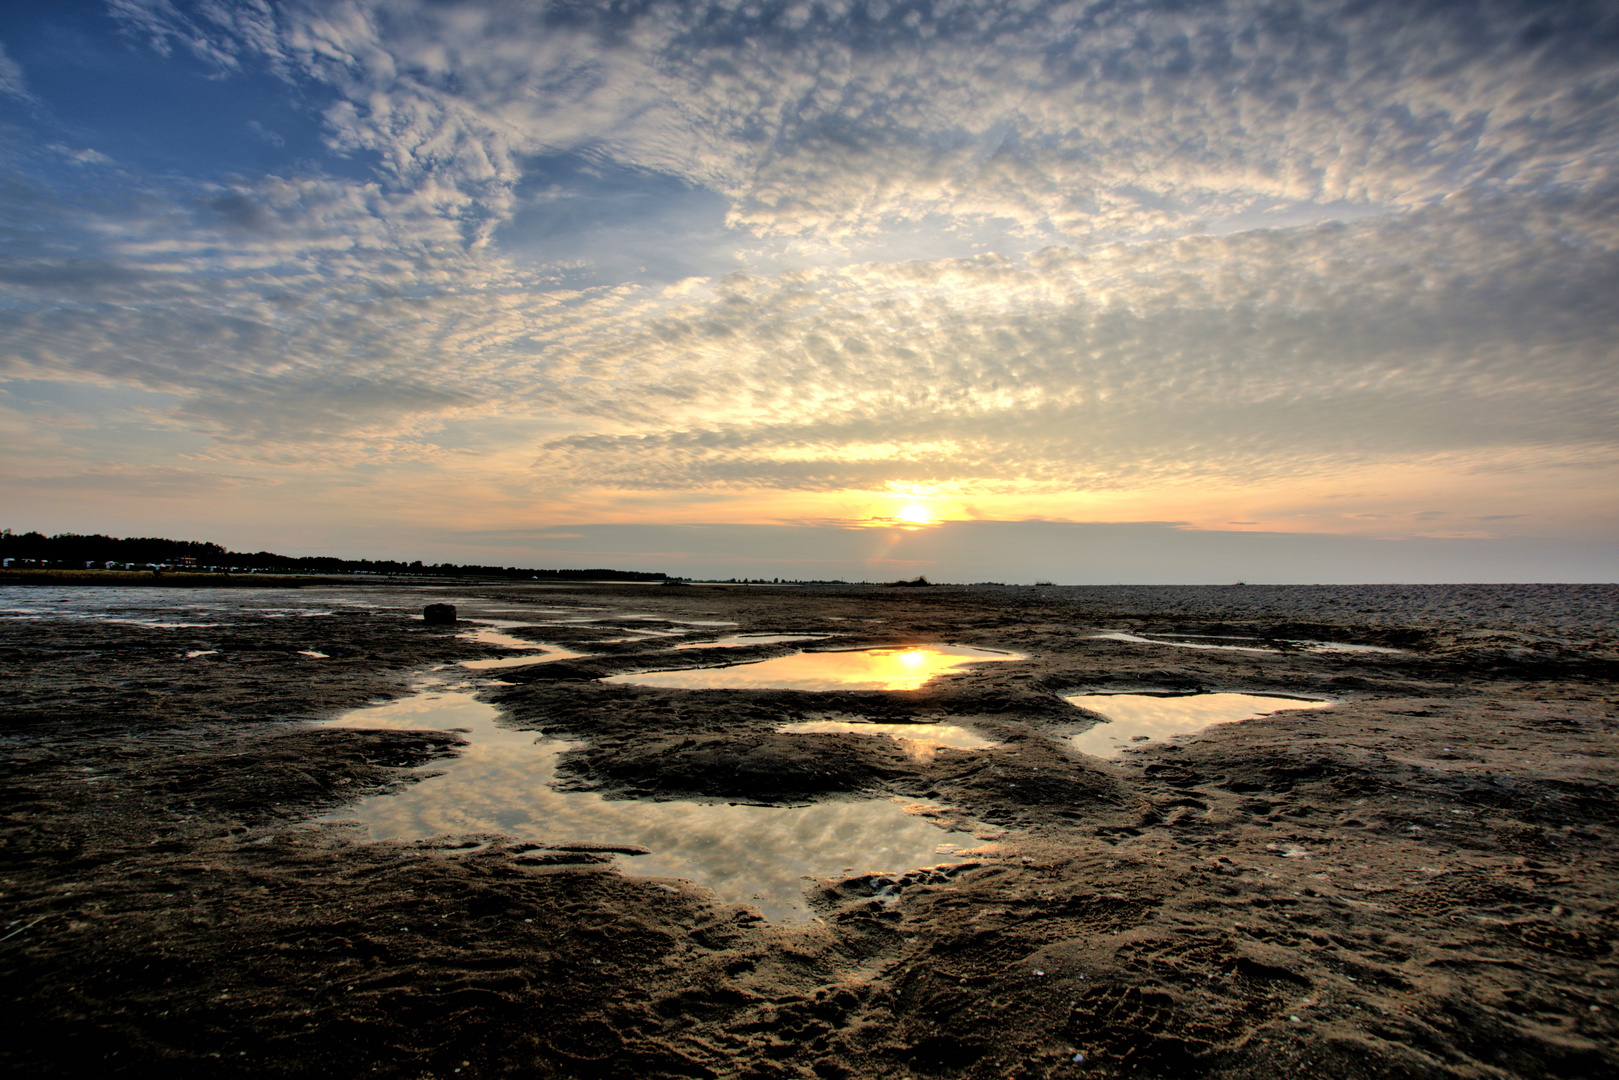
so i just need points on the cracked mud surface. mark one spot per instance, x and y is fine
(1417, 882)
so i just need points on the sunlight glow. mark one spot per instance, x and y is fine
(862, 669)
(915, 513)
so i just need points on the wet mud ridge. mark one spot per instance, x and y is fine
(1420, 879)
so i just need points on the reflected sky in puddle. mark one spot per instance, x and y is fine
(1341, 647)
(1207, 641)
(738, 640)
(756, 855)
(616, 621)
(1137, 639)
(863, 669)
(528, 659)
(530, 652)
(920, 741)
(1136, 718)
(489, 633)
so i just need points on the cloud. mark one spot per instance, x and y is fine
(992, 248)
(12, 82)
(135, 481)
(1058, 121)
(1255, 354)
(215, 32)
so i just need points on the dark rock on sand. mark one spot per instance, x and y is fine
(438, 614)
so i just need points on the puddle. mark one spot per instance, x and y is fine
(610, 622)
(1180, 641)
(863, 669)
(1136, 718)
(738, 640)
(1136, 639)
(637, 616)
(920, 741)
(314, 654)
(192, 654)
(1342, 647)
(490, 634)
(501, 783)
(551, 654)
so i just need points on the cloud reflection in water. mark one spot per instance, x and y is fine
(501, 784)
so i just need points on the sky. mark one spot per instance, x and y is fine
(1085, 292)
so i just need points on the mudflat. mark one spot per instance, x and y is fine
(1419, 880)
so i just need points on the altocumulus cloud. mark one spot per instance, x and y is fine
(978, 247)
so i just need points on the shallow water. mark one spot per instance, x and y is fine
(1342, 647)
(501, 784)
(1137, 639)
(738, 640)
(1179, 641)
(862, 669)
(529, 652)
(920, 741)
(1137, 718)
(490, 634)
(548, 655)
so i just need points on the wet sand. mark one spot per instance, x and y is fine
(1417, 881)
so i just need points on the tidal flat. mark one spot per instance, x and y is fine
(1418, 879)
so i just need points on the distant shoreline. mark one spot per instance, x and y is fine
(171, 579)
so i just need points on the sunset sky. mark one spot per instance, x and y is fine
(1089, 292)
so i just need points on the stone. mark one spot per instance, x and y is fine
(438, 614)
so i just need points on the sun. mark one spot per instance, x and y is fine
(915, 513)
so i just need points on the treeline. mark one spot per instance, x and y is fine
(73, 551)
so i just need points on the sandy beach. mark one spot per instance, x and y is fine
(1418, 879)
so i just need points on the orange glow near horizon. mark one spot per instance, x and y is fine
(1391, 501)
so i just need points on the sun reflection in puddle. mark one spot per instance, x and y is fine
(863, 669)
(920, 741)
(1135, 718)
(501, 784)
